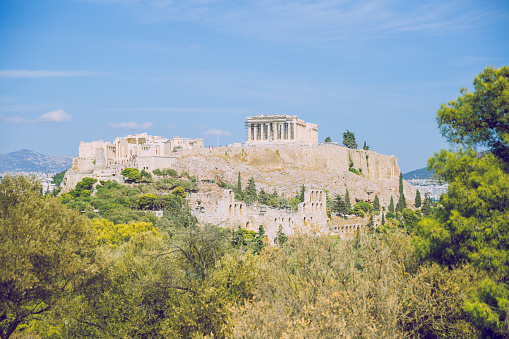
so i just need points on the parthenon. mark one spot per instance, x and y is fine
(263, 129)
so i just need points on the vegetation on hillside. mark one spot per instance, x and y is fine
(435, 272)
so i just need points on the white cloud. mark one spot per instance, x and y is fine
(170, 126)
(23, 73)
(15, 120)
(55, 116)
(215, 132)
(130, 125)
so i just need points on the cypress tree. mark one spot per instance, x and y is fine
(250, 192)
(391, 205)
(302, 191)
(376, 204)
(383, 219)
(239, 188)
(347, 200)
(418, 199)
(401, 201)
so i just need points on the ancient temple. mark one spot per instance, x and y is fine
(263, 129)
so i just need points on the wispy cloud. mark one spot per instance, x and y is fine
(216, 132)
(130, 125)
(16, 120)
(22, 73)
(58, 116)
(170, 126)
(320, 20)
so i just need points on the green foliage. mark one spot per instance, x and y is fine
(147, 201)
(179, 191)
(349, 140)
(131, 174)
(340, 205)
(365, 147)
(259, 240)
(250, 194)
(117, 234)
(145, 176)
(347, 199)
(47, 252)
(83, 188)
(281, 238)
(353, 170)
(401, 200)
(328, 139)
(376, 204)
(470, 224)
(391, 205)
(480, 118)
(302, 193)
(410, 219)
(418, 201)
(58, 178)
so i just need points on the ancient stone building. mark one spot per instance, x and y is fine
(228, 212)
(263, 129)
(134, 146)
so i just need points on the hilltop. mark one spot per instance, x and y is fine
(421, 173)
(29, 161)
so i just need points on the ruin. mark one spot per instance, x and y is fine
(264, 129)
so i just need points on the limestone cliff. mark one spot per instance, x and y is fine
(282, 167)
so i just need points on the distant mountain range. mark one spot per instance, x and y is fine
(30, 161)
(421, 173)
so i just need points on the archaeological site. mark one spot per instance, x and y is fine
(281, 153)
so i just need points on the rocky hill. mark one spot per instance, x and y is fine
(29, 161)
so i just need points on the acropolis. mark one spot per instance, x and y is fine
(263, 129)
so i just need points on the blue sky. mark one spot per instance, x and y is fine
(83, 70)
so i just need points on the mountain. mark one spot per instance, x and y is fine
(30, 161)
(421, 173)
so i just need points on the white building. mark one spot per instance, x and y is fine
(263, 129)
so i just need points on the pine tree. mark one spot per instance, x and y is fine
(250, 192)
(281, 238)
(302, 191)
(349, 140)
(365, 147)
(391, 205)
(328, 139)
(376, 204)
(418, 199)
(347, 200)
(340, 205)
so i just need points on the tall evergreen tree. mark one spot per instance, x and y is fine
(391, 205)
(401, 201)
(302, 191)
(347, 200)
(250, 192)
(328, 139)
(365, 147)
(383, 218)
(340, 205)
(239, 188)
(418, 199)
(376, 204)
(349, 140)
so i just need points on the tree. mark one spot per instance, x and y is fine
(238, 192)
(347, 200)
(131, 174)
(179, 191)
(391, 205)
(349, 140)
(250, 194)
(281, 238)
(146, 201)
(376, 204)
(418, 201)
(480, 118)
(146, 176)
(401, 201)
(470, 224)
(258, 242)
(365, 147)
(328, 139)
(341, 206)
(383, 219)
(44, 257)
(83, 188)
(302, 193)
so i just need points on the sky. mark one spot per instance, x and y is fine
(84, 70)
